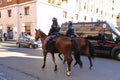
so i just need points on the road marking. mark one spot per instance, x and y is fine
(2, 76)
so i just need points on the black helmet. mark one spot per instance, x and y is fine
(70, 22)
(54, 19)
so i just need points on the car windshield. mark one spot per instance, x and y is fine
(26, 37)
(114, 29)
(31, 38)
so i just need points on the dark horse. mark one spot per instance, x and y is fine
(86, 48)
(63, 45)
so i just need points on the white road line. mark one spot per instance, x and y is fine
(2, 76)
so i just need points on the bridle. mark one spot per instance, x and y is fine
(40, 35)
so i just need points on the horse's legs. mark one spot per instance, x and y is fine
(59, 55)
(91, 65)
(64, 61)
(78, 60)
(44, 54)
(53, 58)
(69, 61)
(75, 64)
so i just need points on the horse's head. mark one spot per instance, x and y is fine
(39, 34)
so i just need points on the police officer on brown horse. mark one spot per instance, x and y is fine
(54, 33)
(55, 28)
(70, 33)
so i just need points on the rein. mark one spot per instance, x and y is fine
(42, 35)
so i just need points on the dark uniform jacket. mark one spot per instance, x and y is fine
(70, 32)
(54, 30)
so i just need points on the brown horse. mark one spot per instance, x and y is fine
(63, 45)
(86, 48)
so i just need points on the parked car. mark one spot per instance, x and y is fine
(28, 42)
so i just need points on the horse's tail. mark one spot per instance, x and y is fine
(76, 50)
(91, 48)
(76, 47)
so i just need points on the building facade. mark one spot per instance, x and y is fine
(118, 20)
(18, 16)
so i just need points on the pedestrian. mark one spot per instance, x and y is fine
(5, 36)
(0, 36)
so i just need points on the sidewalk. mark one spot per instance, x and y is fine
(9, 41)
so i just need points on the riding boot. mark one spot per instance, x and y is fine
(76, 46)
(47, 47)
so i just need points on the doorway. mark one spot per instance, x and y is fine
(9, 32)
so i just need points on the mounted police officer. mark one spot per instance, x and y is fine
(54, 32)
(71, 33)
(55, 28)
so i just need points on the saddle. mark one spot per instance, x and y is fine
(50, 43)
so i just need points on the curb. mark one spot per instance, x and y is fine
(9, 42)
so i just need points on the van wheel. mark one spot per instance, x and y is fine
(30, 46)
(117, 55)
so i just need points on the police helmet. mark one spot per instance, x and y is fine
(70, 22)
(54, 19)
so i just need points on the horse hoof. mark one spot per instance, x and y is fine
(90, 68)
(68, 73)
(55, 68)
(81, 66)
(43, 66)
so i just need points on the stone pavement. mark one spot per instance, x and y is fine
(9, 41)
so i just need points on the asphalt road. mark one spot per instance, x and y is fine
(25, 64)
